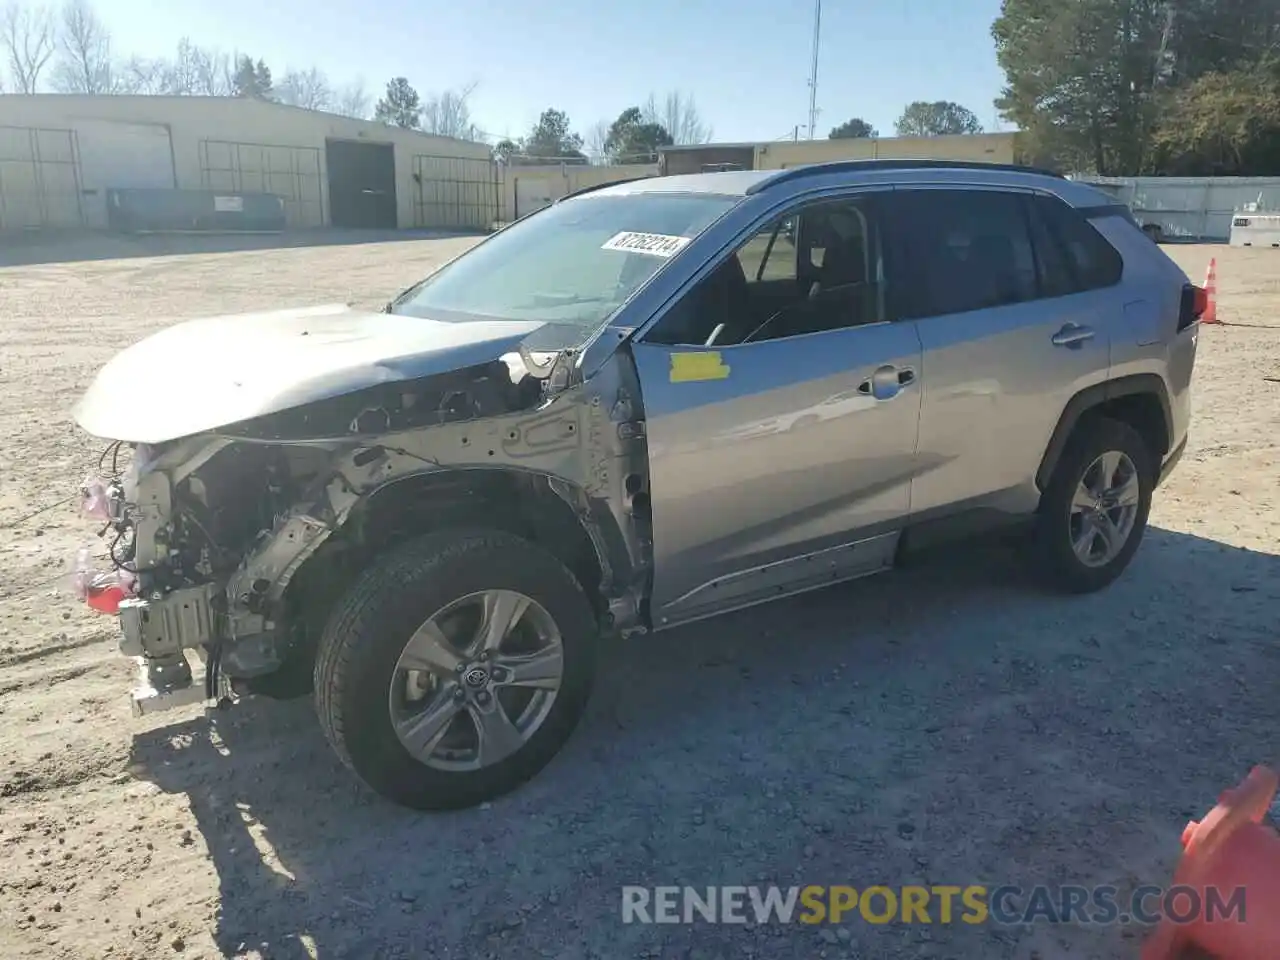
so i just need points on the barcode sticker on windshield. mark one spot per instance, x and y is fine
(654, 244)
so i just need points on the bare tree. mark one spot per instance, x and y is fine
(140, 75)
(28, 36)
(596, 140)
(211, 71)
(308, 89)
(84, 52)
(353, 100)
(193, 72)
(448, 115)
(184, 70)
(678, 113)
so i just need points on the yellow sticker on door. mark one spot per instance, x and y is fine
(693, 367)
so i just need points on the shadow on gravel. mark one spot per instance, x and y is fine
(108, 246)
(945, 724)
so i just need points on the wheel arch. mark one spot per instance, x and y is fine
(1141, 400)
(552, 512)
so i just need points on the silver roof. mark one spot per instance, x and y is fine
(743, 182)
(730, 183)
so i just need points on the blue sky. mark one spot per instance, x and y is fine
(746, 62)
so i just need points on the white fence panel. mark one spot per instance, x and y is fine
(1191, 208)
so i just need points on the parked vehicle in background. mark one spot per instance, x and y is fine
(650, 403)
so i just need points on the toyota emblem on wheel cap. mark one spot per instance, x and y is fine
(475, 677)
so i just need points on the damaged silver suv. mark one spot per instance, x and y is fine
(646, 404)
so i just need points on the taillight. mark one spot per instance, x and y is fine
(1195, 301)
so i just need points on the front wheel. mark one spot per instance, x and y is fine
(1094, 511)
(455, 668)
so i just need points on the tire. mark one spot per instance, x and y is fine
(1061, 567)
(367, 633)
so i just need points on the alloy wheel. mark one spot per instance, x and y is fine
(1104, 509)
(476, 680)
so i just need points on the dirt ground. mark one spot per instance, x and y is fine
(944, 724)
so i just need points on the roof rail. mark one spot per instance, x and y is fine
(857, 166)
(600, 186)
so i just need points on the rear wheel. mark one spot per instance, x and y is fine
(455, 668)
(1094, 512)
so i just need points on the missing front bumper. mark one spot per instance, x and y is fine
(156, 633)
(164, 627)
(163, 684)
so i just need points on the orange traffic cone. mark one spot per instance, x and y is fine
(1210, 314)
(1229, 850)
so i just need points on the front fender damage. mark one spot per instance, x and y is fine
(585, 443)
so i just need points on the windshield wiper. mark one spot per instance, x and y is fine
(563, 299)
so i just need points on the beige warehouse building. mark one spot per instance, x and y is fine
(528, 188)
(60, 155)
(775, 155)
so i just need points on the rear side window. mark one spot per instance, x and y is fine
(1091, 262)
(963, 250)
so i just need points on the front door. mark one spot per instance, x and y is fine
(781, 454)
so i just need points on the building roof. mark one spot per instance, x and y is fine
(83, 100)
(696, 147)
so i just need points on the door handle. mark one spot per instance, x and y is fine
(887, 382)
(1072, 335)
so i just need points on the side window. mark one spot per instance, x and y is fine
(1057, 274)
(964, 250)
(771, 253)
(1093, 262)
(814, 269)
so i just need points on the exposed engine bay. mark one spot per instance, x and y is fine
(231, 542)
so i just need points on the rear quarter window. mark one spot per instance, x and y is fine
(1092, 263)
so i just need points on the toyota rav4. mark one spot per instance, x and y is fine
(649, 403)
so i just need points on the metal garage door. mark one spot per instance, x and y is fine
(39, 184)
(362, 184)
(291, 173)
(116, 154)
(460, 193)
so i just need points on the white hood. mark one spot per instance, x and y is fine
(210, 373)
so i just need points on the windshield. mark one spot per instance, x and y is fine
(571, 265)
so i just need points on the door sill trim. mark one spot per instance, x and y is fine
(781, 578)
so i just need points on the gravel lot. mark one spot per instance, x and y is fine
(943, 724)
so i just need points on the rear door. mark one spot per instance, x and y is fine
(1007, 340)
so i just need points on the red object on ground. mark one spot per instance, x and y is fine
(1228, 850)
(1210, 314)
(106, 599)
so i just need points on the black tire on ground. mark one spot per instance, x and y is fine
(371, 624)
(1059, 566)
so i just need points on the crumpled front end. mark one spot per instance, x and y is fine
(213, 536)
(175, 522)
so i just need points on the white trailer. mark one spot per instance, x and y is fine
(1252, 229)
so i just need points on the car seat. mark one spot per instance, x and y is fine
(723, 302)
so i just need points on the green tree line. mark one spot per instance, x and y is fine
(1128, 87)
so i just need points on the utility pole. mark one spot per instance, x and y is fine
(813, 70)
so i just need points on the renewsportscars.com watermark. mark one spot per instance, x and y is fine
(972, 905)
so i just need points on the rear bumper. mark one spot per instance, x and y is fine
(1171, 461)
